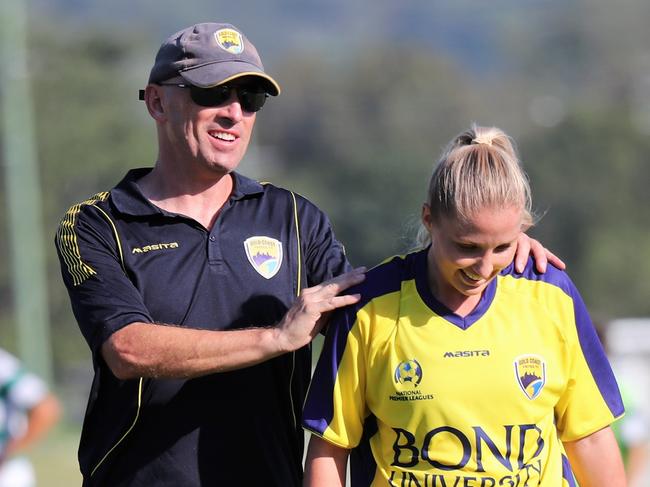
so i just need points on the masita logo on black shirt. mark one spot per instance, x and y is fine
(159, 246)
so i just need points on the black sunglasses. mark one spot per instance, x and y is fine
(251, 99)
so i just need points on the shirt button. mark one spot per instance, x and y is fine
(212, 238)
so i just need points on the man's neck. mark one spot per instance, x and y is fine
(198, 198)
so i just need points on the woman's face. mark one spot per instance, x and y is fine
(466, 255)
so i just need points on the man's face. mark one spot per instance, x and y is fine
(213, 139)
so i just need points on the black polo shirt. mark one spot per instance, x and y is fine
(125, 260)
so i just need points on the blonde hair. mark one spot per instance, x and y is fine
(479, 168)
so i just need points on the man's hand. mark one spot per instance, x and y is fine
(527, 246)
(308, 314)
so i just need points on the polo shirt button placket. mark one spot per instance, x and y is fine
(214, 251)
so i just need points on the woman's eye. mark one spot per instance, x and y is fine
(466, 247)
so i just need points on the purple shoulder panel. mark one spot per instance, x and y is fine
(590, 344)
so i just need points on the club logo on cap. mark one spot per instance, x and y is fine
(264, 254)
(229, 40)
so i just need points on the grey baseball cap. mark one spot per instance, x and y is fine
(210, 54)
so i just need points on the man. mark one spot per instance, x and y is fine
(198, 290)
(27, 413)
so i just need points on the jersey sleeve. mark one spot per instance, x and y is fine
(324, 255)
(335, 407)
(592, 399)
(103, 297)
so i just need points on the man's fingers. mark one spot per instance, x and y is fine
(337, 284)
(339, 302)
(327, 295)
(309, 312)
(348, 279)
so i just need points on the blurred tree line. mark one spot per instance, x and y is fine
(358, 133)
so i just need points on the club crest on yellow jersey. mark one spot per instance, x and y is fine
(409, 372)
(264, 254)
(229, 40)
(530, 371)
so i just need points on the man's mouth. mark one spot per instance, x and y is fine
(222, 136)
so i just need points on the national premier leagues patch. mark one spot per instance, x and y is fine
(264, 254)
(229, 40)
(530, 371)
(409, 372)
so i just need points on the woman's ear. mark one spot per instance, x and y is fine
(427, 218)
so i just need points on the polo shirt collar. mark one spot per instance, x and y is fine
(245, 187)
(128, 198)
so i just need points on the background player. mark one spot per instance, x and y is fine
(453, 369)
(27, 412)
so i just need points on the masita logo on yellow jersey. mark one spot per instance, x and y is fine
(152, 247)
(467, 353)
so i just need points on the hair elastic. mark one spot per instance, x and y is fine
(482, 140)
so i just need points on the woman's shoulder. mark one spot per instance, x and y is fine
(553, 276)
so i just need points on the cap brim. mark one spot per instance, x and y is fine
(215, 74)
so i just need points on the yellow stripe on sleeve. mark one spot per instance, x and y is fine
(66, 241)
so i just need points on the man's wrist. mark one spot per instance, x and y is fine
(275, 340)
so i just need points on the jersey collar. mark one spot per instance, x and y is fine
(463, 322)
(128, 198)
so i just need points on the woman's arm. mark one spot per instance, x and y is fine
(596, 460)
(325, 465)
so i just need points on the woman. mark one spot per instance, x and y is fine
(453, 369)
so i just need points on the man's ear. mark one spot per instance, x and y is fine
(154, 99)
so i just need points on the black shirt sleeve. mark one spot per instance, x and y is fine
(324, 254)
(103, 297)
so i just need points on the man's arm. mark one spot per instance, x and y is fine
(596, 460)
(153, 350)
